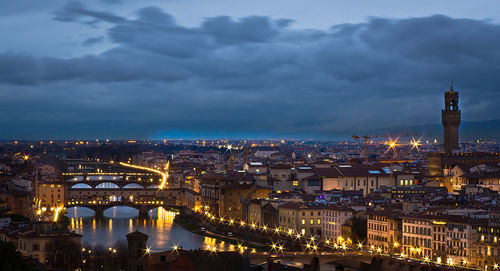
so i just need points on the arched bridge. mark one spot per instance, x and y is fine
(142, 206)
(97, 184)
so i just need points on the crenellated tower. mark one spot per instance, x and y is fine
(451, 117)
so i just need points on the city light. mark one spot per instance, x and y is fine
(415, 143)
(163, 174)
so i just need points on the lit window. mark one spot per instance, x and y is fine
(312, 221)
(319, 221)
(295, 183)
(303, 221)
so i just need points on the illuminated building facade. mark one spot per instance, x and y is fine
(384, 230)
(333, 217)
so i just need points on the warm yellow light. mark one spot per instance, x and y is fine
(360, 246)
(426, 259)
(264, 228)
(415, 143)
(396, 244)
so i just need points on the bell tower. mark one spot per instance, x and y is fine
(451, 117)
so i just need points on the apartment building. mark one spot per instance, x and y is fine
(50, 194)
(333, 217)
(301, 217)
(417, 235)
(384, 230)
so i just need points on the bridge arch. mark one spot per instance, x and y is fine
(80, 211)
(133, 185)
(81, 185)
(108, 185)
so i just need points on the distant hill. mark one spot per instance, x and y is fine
(468, 130)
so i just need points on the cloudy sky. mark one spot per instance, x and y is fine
(239, 68)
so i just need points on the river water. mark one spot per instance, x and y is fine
(119, 221)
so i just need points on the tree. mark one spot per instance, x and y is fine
(11, 260)
(358, 229)
(64, 253)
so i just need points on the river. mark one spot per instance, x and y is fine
(119, 221)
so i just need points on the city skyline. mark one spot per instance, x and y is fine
(116, 69)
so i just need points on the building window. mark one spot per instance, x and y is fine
(319, 221)
(303, 221)
(311, 221)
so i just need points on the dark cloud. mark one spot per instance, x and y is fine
(254, 76)
(75, 11)
(112, 1)
(93, 41)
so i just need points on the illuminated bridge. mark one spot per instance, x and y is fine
(143, 207)
(102, 185)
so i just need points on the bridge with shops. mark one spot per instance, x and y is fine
(102, 185)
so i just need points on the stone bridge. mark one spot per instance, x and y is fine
(142, 206)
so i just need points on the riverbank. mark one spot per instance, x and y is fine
(188, 221)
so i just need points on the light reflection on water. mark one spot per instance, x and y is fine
(119, 221)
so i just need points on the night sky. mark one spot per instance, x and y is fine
(230, 68)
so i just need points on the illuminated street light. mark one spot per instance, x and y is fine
(415, 143)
